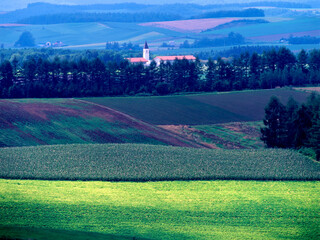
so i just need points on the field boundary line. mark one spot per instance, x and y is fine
(149, 125)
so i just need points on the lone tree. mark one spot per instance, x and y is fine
(26, 40)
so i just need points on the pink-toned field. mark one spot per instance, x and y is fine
(195, 25)
(12, 25)
(276, 37)
(309, 89)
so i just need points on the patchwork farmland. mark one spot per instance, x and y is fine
(143, 209)
(196, 25)
(133, 119)
(176, 167)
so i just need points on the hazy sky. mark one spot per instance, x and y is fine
(7, 5)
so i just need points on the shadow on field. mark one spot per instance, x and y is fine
(21, 233)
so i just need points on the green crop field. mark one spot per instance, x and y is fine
(86, 33)
(139, 162)
(43, 210)
(199, 109)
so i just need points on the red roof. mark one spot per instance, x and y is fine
(137, 60)
(172, 58)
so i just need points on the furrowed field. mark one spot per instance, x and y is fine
(138, 162)
(160, 210)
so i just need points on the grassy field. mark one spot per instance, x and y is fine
(281, 27)
(96, 34)
(139, 162)
(199, 109)
(160, 210)
(232, 135)
(235, 135)
(86, 33)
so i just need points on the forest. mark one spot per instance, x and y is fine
(109, 75)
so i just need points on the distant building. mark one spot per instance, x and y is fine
(146, 57)
(171, 59)
(56, 44)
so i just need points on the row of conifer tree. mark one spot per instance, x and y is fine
(293, 126)
(39, 77)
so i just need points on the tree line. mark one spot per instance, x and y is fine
(231, 39)
(41, 77)
(303, 40)
(250, 12)
(293, 126)
(99, 17)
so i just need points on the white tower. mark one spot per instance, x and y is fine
(146, 53)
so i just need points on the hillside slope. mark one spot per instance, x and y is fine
(63, 121)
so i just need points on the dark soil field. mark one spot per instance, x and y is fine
(200, 109)
(65, 121)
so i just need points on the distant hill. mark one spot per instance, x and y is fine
(18, 4)
(186, 9)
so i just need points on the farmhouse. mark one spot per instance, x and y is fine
(146, 58)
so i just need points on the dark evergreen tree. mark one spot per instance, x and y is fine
(314, 59)
(210, 76)
(302, 124)
(285, 58)
(302, 59)
(25, 40)
(6, 75)
(292, 111)
(314, 136)
(274, 133)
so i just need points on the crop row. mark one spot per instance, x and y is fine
(139, 162)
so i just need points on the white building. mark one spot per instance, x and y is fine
(146, 58)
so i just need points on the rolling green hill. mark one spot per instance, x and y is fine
(199, 109)
(139, 162)
(280, 27)
(85, 33)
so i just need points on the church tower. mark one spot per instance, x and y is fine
(146, 53)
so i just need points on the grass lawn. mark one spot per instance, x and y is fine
(160, 210)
